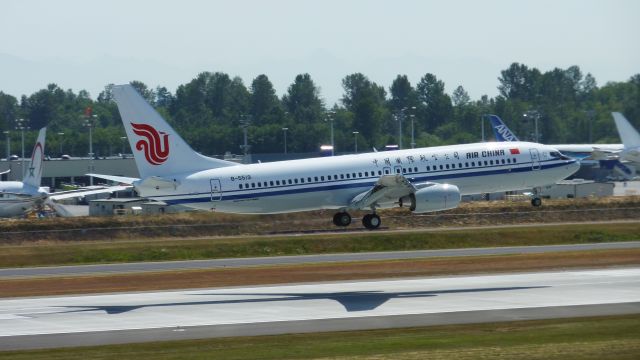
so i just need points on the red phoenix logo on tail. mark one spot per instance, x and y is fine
(156, 150)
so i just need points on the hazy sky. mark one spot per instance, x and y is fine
(86, 44)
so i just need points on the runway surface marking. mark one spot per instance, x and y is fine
(78, 270)
(314, 302)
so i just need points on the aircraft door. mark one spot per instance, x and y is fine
(397, 169)
(216, 190)
(535, 159)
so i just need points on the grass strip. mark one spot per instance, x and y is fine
(47, 254)
(316, 272)
(613, 337)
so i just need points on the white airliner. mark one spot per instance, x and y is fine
(18, 197)
(424, 180)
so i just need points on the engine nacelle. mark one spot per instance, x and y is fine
(432, 198)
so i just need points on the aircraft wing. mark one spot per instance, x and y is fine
(387, 188)
(87, 191)
(119, 179)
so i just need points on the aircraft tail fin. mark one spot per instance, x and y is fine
(33, 172)
(628, 134)
(500, 130)
(157, 148)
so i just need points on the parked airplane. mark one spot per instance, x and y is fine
(18, 197)
(603, 155)
(424, 179)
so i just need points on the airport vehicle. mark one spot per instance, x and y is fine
(18, 197)
(607, 156)
(423, 179)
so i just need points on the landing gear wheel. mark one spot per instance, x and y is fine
(342, 219)
(536, 201)
(371, 221)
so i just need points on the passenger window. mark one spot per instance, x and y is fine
(359, 174)
(240, 186)
(428, 168)
(386, 171)
(321, 178)
(315, 178)
(490, 162)
(514, 160)
(309, 179)
(485, 163)
(404, 170)
(253, 185)
(302, 180)
(447, 166)
(398, 171)
(290, 181)
(278, 182)
(353, 175)
(415, 169)
(441, 167)
(460, 165)
(466, 164)
(341, 176)
(271, 182)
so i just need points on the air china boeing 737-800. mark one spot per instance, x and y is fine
(424, 179)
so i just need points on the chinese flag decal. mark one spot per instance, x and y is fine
(514, 151)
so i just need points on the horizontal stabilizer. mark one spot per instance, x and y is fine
(118, 179)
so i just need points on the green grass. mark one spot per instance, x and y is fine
(583, 338)
(157, 250)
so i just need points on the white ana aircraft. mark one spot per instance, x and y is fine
(18, 197)
(610, 156)
(424, 180)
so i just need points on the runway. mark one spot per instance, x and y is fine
(170, 315)
(80, 270)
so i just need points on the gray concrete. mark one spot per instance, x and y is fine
(306, 259)
(172, 315)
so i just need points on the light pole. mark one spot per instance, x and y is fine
(398, 118)
(245, 121)
(123, 139)
(61, 134)
(7, 132)
(535, 115)
(284, 130)
(482, 125)
(20, 125)
(330, 116)
(355, 140)
(89, 122)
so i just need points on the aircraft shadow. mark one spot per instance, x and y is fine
(352, 301)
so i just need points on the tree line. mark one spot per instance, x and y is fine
(211, 110)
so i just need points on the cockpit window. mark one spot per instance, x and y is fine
(558, 155)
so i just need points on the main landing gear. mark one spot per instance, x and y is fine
(535, 199)
(342, 219)
(370, 221)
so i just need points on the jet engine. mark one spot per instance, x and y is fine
(432, 197)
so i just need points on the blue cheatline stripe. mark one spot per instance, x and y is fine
(252, 195)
